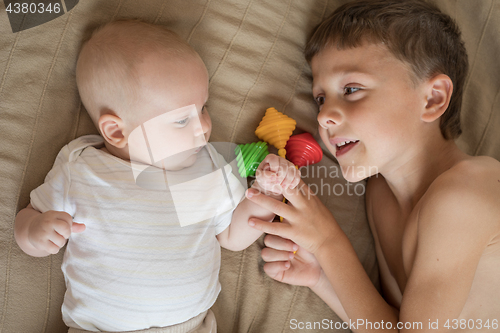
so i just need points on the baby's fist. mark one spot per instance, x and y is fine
(275, 174)
(50, 231)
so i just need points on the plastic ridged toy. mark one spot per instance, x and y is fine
(303, 150)
(249, 157)
(276, 128)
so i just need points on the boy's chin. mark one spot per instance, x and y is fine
(354, 174)
(351, 179)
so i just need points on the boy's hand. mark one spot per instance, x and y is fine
(275, 174)
(50, 231)
(282, 264)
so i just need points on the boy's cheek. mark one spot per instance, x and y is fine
(325, 137)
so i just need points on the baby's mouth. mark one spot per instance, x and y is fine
(197, 150)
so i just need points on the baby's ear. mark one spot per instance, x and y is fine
(112, 129)
(438, 92)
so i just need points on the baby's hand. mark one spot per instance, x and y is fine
(275, 174)
(49, 231)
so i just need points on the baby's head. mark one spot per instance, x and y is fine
(129, 72)
(415, 32)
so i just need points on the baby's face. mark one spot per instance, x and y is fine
(174, 122)
(368, 108)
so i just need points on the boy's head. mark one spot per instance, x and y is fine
(415, 32)
(129, 72)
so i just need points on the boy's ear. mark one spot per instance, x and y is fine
(438, 94)
(112, 128)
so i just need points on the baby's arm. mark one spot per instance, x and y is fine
(274, 175)
(41, 234)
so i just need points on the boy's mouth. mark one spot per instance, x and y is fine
(344, 146)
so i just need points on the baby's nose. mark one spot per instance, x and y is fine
(203, 128)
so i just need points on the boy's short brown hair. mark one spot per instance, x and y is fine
(415, 32)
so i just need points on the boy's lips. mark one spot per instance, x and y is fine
(343, 145)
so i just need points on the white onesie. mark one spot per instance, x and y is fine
(134, 267)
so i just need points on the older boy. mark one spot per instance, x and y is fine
(388, 78)
(133, 261)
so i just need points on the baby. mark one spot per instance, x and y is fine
(141, 254)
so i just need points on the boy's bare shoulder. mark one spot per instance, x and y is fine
(477, 177)
(469, 190)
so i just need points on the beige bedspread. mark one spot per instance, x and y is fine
(253, 52)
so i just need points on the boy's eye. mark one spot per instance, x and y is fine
(350, 90)
(182, 122)
(320, 100)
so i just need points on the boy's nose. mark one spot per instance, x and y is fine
(329, 116)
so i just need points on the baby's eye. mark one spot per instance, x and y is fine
(204, 108)
(182, 122)
(350, 90)
(320, 100)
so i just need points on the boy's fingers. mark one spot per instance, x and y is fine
(272, 255)
(279, 243)
(276, 270)
(274, 228)
(273, 205)
(299, 195)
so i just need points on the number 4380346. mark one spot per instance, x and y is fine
(33, 8)
(471, 324)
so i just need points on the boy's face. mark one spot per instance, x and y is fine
(172, 97)
(366, 96)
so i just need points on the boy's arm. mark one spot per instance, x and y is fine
(326, 292)
(312, 226)
(455, 225)
(239, 235)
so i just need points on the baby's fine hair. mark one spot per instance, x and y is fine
(106, 67)
(415, 32)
